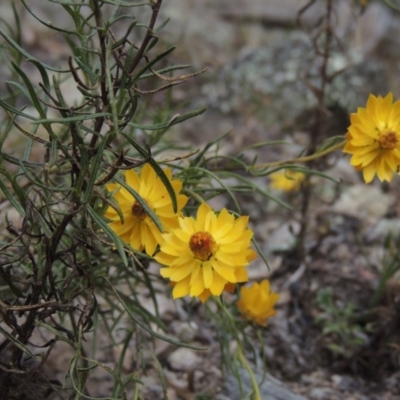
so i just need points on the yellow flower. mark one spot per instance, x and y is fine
(138, 229)
(257, 302)
(229, 287)
(205, 254)
(206, 293)
(286, 180)
(373, 138)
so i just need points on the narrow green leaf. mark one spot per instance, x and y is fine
(217, 179)
(176, 120)
(7, 130)
(200, 154)
(109, 232)
(142, 203)
(69, 3)
(43, 73)
(143, 152)
(260, 253)
(38, 181)
(21, 51)
(151, 44)
(11, 198)
(258, 189)
(60, 96)
(68, 120)
(21, 88)
(125, 3)
(17, 343)
(15, 111)
(158, 170)
(55, 332)
(165, 70)
(127, 33)
(163, 24)
(93, 76)
(17, 161)
(53, 153)
(48, 24)
(95, 167)
(32, 92)
(152, 62)
(161, 174)
(147, 329)
(27, 151)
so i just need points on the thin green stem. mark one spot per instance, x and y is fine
(247, 367)
(314, 156)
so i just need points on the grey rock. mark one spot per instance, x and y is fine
(185, 331)
(270, 388)
(321, 393)
(384, 228)
(276, 75)
(374, 30)
(184, 359)
(284, 237)
(367, 203)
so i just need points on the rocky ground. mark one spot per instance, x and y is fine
(315, 347)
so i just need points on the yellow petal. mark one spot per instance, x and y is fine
(181, 289)
(207, 274)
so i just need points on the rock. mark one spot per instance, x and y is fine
(270, 76)
(257, 270)
(383, 228)
(184, 359)
(270, 388)
(278, 12)
(322, 393)
(164, 304)
(371, 31)
(185, 331)
(374, 26)
(283, 238)
(208, 38)
(363, 202)
(161, 347)
(151, 387)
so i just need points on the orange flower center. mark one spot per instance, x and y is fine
(388, 140)
(138, 211)
(202, 245)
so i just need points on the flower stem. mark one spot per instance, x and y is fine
(253, 379)
(303, 159)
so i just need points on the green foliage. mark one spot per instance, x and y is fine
(343, 334)
(56, 267)
(390, 265)
(65, 276)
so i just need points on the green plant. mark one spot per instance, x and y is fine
(56, 266)
(390, 266)
(343, 335)
(66, 276)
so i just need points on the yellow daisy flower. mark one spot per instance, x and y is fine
(286, 180)
(257, 302)
(204, 254)
(373, 138)
(138, 229)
